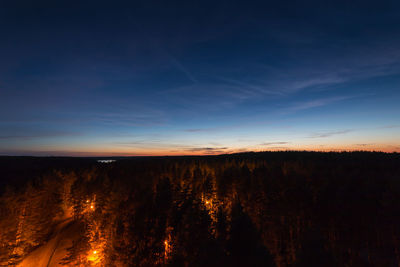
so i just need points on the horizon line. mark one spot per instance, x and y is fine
(200, 155)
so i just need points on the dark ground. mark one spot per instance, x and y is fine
(249, 209)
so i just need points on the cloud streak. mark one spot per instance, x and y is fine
(36, 135)
(363, 144)
(299, 106)
(208, 150)
(330, 134)
(274, 143)
(179, 66)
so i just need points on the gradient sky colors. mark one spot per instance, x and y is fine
(198, 77)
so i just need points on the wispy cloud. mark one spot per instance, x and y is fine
(138, 143)
(178, 65)
(326, 71)
(363, 144)
(331, 133)
(208, 150)
(35, 134)
(127, 119)
(295, 82)
(215, 144)
(251, 88)
(266, 83)
(199, 130)
(299, 106)
(65, 153)
(274, 143)
(389, 126)
(173, 147)
(150, 143)
(277, 148)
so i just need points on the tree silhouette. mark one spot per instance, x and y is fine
(245, 246)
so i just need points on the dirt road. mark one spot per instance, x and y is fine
(51, 253)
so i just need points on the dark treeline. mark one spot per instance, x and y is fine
(250, 209)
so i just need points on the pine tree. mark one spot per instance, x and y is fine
(245, 247)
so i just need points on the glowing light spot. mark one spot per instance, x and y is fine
(167, 248)
(87, 201)
(94, 257)
(91, 207)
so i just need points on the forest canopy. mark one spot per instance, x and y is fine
(248, 209)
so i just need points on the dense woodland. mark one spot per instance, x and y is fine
(250, 209)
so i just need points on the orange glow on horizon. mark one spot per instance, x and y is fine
(347, 146)
(233, 151)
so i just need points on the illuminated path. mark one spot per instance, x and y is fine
(51, 253)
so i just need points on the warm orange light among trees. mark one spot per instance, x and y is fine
(94, 257)
(168, 244)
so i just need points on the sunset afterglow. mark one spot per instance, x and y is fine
(199, 133)
(198, 80)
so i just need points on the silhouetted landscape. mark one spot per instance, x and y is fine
(200, 133)
(248, 209)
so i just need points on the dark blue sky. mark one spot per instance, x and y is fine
(198, 77)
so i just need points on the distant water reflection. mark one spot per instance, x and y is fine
(106, 160)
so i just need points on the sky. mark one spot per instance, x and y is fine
(108, 78)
